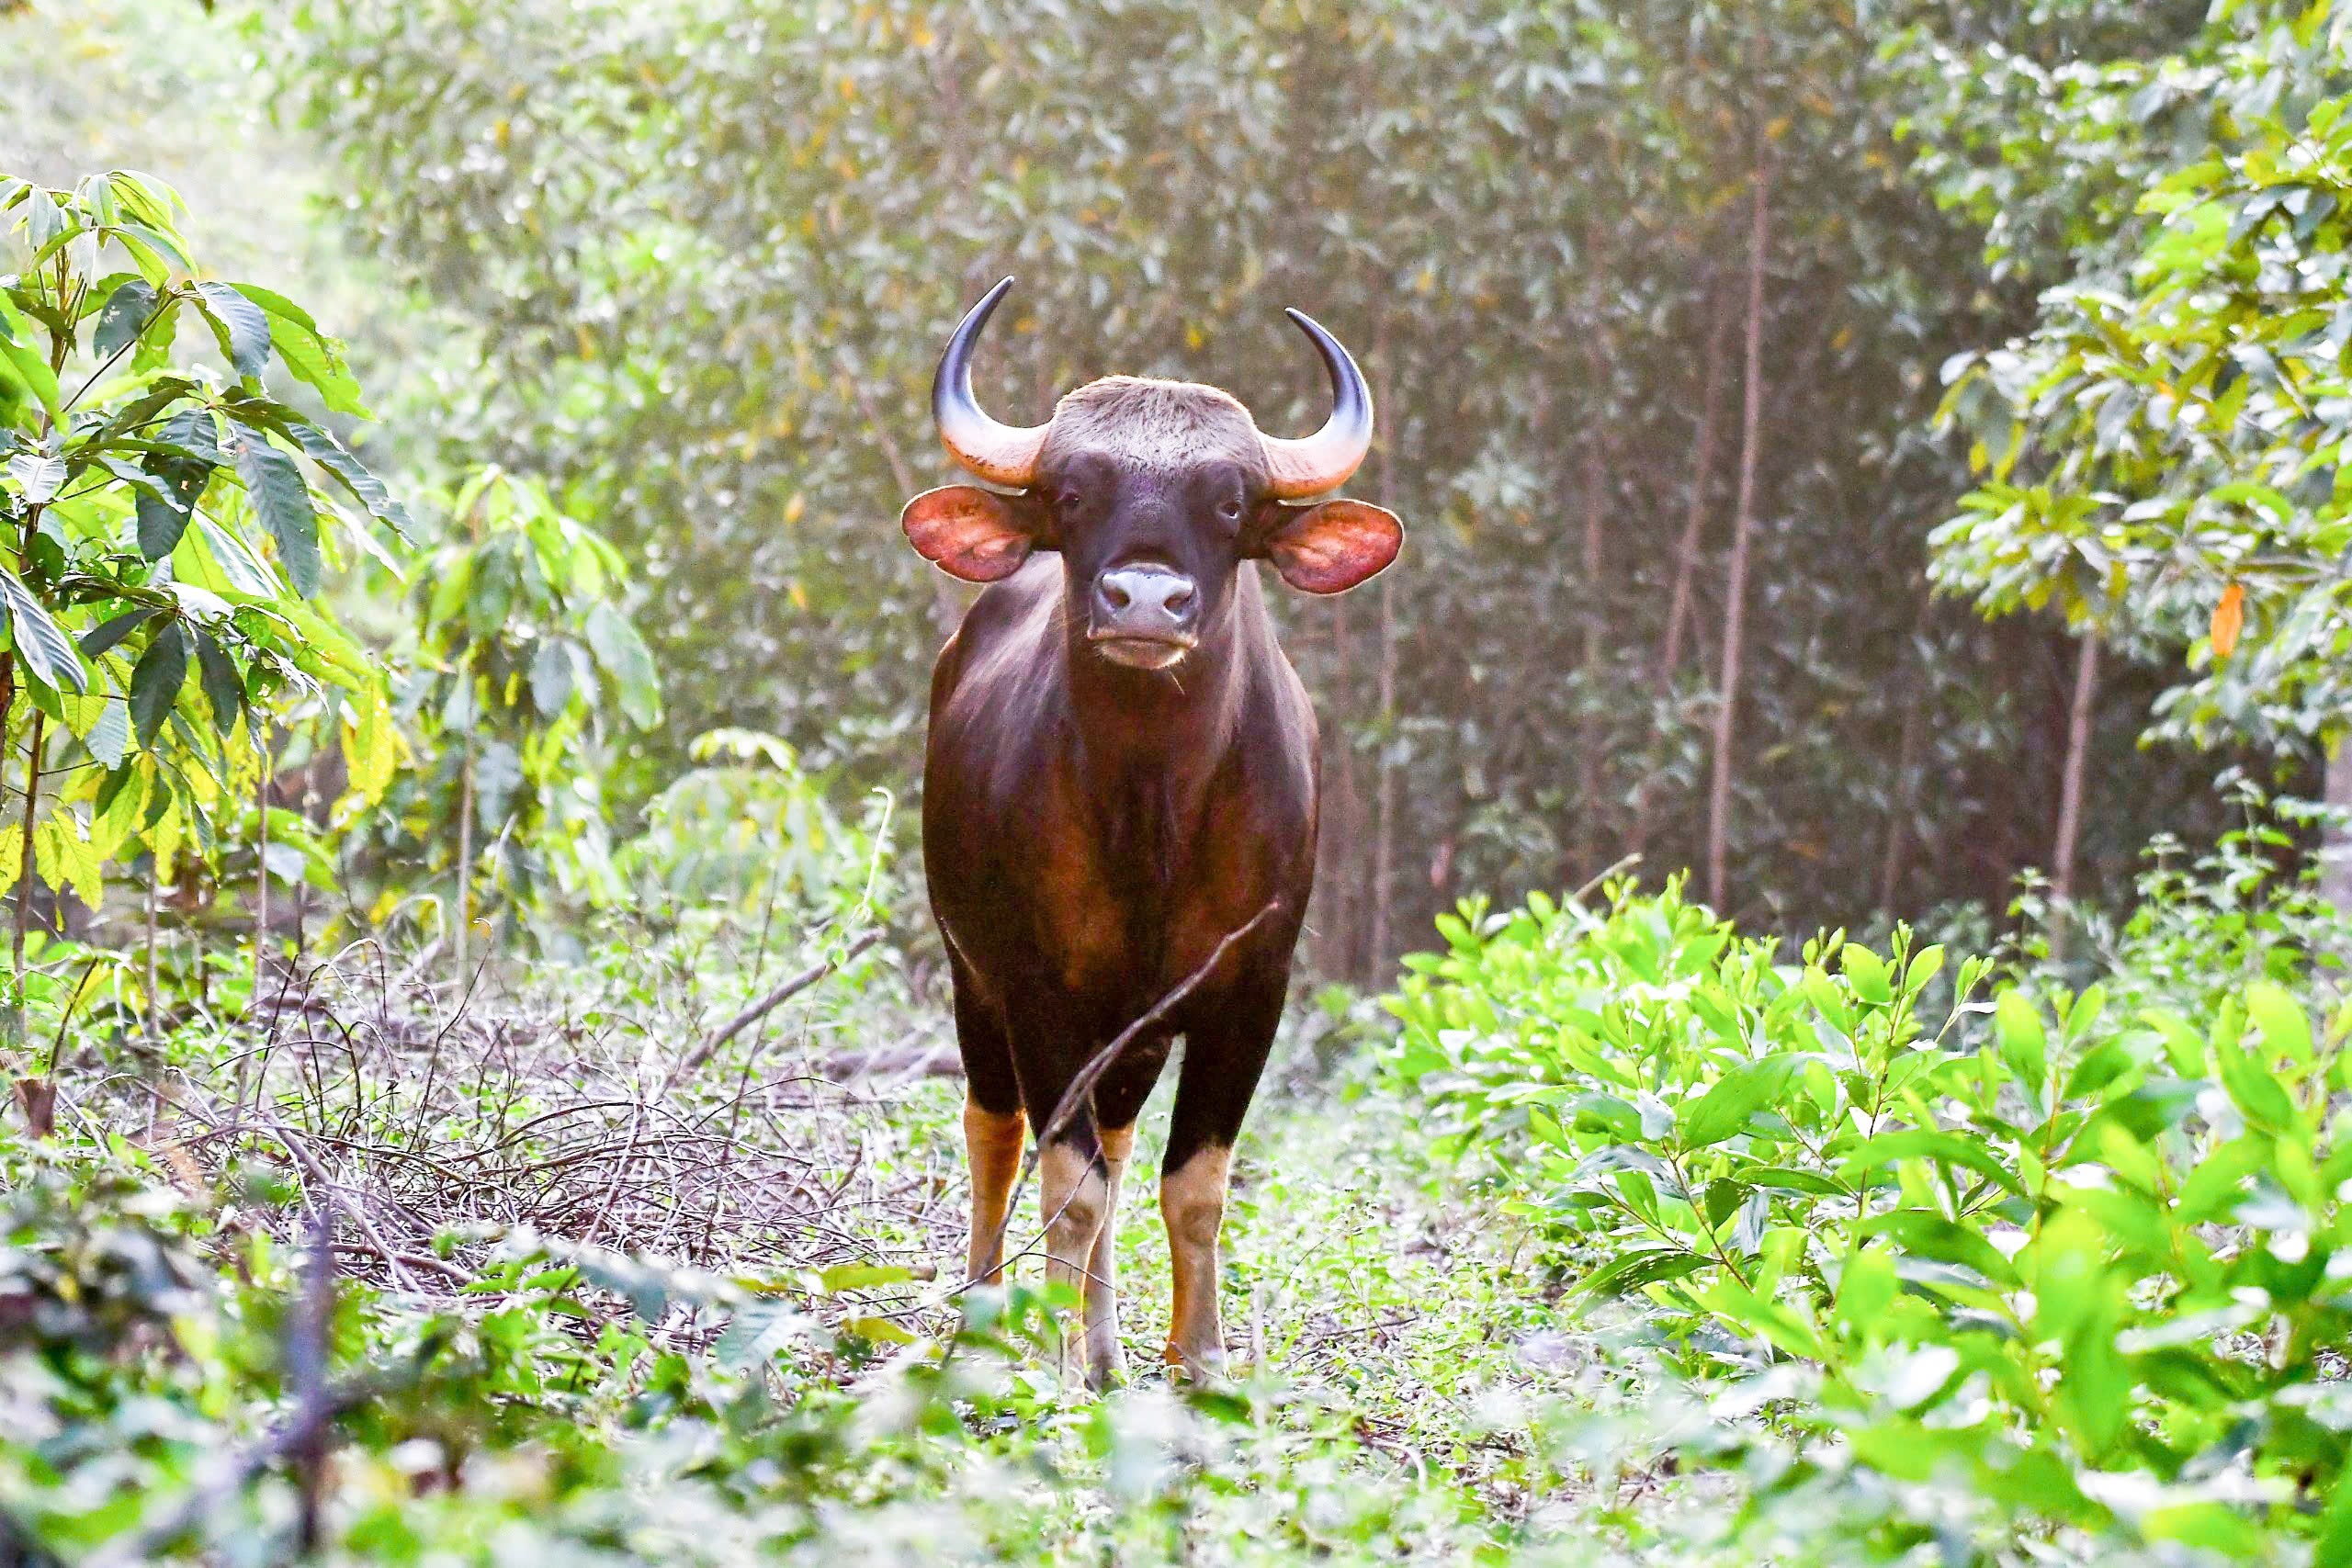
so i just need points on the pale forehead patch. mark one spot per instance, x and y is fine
(1162, 424)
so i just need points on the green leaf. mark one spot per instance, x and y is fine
(308, 352)
(552, 683)
(37, 479)
(1631, 1270)
(155, 683)
(104, 636)
(282, 500)
(1724, 1110)
(365, 487)
(45, 652)
(1922, 1142)
(239, 324)
(241, 570)
(183, 474)
(110, 737)
(26, 364)
(2285, 1027)
(224, 690)
(2018, 1028)
(126, 313)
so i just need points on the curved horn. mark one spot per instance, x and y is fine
(1324, 460)
(1001, 454)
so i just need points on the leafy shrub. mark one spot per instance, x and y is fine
(2003, 1265)
(166, 520)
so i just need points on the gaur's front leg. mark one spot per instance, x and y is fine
(1225, 1052)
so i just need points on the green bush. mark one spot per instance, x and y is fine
(2005, 1265)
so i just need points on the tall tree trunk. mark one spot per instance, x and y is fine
(1341, 877)
(1694, 518)
(1743, 524)
(2070, 791)
(1383, 845)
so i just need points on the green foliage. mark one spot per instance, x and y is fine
(747, 832)
(2005, 1265)
(712, 251)
(527, 660)
(155, 640)
(2159, 453)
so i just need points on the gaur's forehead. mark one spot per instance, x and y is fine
(1168, 425)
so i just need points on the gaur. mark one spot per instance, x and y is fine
(1121, 771)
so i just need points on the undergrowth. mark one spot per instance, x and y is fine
(1615, 1235)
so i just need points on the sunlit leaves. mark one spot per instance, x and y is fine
(44, 651)
(2023, 1292)
(185, 463)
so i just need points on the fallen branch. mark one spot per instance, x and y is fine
(766, 1005)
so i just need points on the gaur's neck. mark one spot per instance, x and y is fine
(1177, 720)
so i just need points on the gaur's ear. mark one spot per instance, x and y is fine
(1330, 546)
(971, 533)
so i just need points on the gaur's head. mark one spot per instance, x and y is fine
(1154, 492)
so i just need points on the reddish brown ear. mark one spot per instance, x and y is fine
(968, 532)
(1330, 548)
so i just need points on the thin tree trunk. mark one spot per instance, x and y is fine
(24, 851)
(1694, 518)
(2336, 840)
(1743, 524)
(1588, 739)
(1906, 764)
(1343, 825)
(2070, 790)
(154, 998)
(261, 873)
(465, 852)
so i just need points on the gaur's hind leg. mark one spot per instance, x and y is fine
(993, 1127)
(1224, 1051)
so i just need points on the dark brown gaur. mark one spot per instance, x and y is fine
(1122, 771)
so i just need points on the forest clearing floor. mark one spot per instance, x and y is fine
(1404, 1381)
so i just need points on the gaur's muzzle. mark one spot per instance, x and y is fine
(1145, 616)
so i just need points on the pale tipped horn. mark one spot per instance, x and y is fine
(1323, 461)
(1001, 454)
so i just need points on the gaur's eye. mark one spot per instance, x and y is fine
(1230, 511)
(1068, 499)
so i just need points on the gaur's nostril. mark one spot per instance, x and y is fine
(1179, 599)
(1115, 595)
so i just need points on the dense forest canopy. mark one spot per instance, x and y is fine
(711, 251)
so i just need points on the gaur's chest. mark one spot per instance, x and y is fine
(1138, 886)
